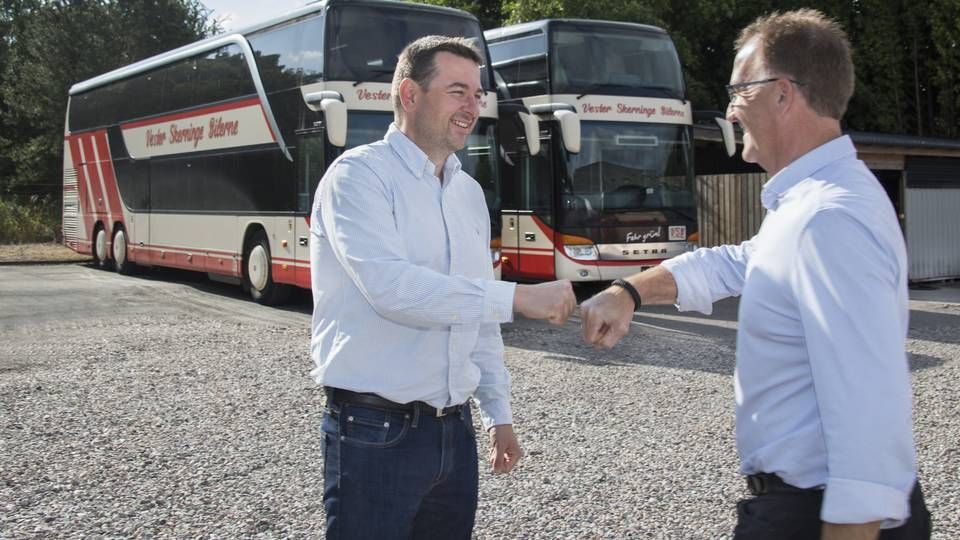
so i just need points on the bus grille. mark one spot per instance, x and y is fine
(71, 206)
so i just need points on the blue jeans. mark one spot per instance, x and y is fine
(390, 474)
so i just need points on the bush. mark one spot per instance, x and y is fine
(36, 220)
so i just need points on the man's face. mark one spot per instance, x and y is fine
(754, 107)
(444, 113)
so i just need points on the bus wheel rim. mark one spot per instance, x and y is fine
(120, 248)
(101, 246)
(257, 268)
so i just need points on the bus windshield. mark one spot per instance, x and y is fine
(363, 41)
(628, 167)
(596, 59)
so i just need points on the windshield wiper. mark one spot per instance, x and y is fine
(666, 90)
(376, 72)
(592, 89)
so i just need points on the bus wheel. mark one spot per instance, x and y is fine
(258, 273)
(122, 264)
(100, 247)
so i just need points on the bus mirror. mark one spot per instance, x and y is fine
(531, 130)
(335, 119)
(569, 129)
(334, 112)
(726, 133)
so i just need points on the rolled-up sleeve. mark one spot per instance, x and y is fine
(847, 286)
(356, 214)
(707, 275)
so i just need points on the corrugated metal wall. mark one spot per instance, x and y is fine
(729, 207)
(933, 232)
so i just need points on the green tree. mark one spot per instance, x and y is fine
(489, 13)
(55, 44)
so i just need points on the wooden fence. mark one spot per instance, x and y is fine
(729, 208)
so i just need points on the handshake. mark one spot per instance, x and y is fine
(605, 318)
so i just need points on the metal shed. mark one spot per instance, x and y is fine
(921, 175)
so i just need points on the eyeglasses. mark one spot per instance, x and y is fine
(733, 90)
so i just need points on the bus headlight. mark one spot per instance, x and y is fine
(582, 253)
(579, 248)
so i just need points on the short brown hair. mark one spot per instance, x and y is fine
(417, 62)
(810, 48)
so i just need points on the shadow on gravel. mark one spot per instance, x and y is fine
(920, 362)
(641, 347)
(300, 299)
(935, 326)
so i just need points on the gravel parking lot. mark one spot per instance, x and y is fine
(163, 405)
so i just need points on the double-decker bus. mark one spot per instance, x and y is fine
(597, 168)
(207, 157)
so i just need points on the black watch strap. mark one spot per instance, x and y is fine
(625, 285)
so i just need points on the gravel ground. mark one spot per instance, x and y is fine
(191, 423)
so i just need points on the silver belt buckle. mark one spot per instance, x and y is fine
(439, 412)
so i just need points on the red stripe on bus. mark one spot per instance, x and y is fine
(109, 177)
(196, 112)
(84, 200)
(193, 250)
(84, 197)
(544, 228)
(90, 168)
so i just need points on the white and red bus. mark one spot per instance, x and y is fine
(207, 157)
(598, 177)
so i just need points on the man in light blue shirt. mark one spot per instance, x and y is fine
(407, 311)
(822, 385)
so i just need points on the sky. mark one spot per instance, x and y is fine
(236, 14)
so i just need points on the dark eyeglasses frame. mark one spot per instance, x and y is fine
(733, 90)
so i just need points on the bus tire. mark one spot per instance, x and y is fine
(121, 260)
(99, 250)
(258, 273)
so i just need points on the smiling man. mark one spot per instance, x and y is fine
(406, 313)
(822, 384)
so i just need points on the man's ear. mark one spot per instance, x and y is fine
(409, 91)
(787, 93)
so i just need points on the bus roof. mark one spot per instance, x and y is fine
(504, 33)
(220, 40)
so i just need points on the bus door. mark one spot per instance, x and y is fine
(533, 221)
(310, 157)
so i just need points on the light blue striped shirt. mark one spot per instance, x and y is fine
(822, 384)
(405, 301)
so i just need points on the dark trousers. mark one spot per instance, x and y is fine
(398, 475)
(789, 513)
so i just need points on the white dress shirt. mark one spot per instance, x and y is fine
(405, 302)
(822, 384)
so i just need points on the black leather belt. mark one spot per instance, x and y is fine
(365, 399)
(762, 483)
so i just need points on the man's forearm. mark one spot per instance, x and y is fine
(656, 286)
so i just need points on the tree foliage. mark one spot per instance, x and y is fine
(907, 52)
(47, 46)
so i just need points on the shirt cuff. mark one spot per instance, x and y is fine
(498, 301)
(856, 501)
(495, 414)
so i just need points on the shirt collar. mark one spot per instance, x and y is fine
(416, 159)
(804, 167)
